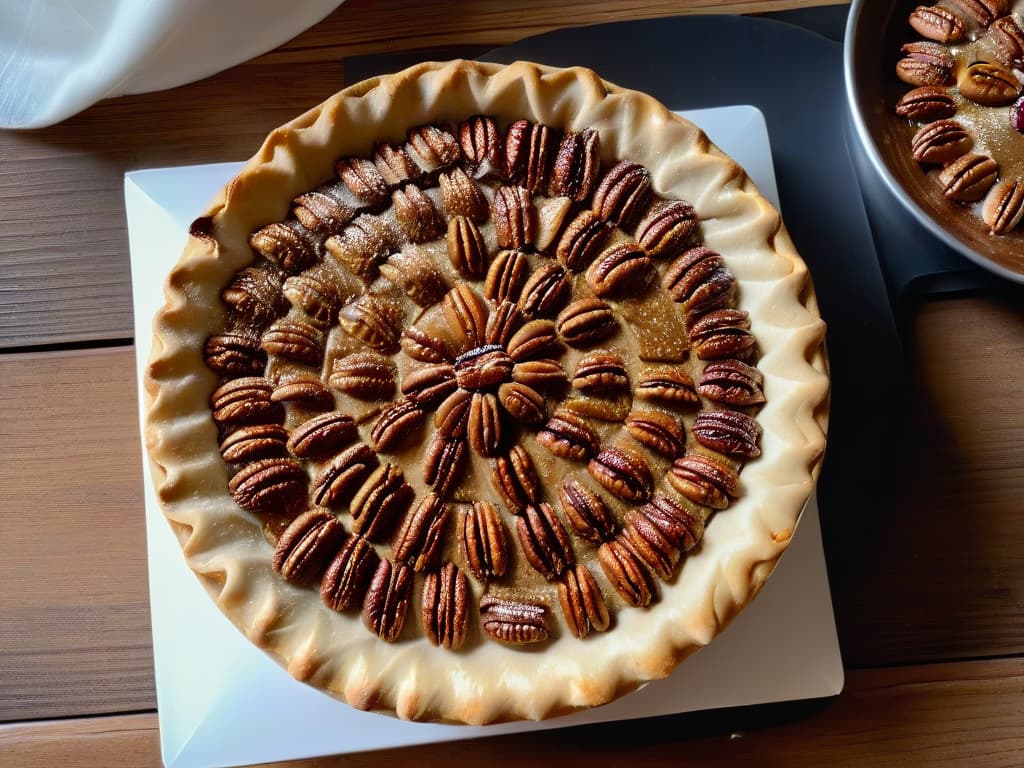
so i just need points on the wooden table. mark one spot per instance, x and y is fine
(928, 583)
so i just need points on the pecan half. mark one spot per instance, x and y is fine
(567, 436)
(515, 221)
(657, 430)
(943, 25)
(337, 483)
(626, 573)
(363, 375)
(245, 401)
(513, 622)
(940, 142)
(425, 347)
(234, 354)
(428, 385)
(432, 148)
(927, 103)
(483, 428)
(451, 416)
(466, 248)
(307, 546)
(481, 146)
(699, 280)
(483, 367)
(397, 424)
(577, 165)
(348, 576)
(926, 63)
(600, 371)
(722, 333)
(586, 512)
(535, 339)
(529, 148)
(988, 84)
(444, 464)
(544, 541)
(969, 177)
(275, 484)
(295, 339)
(288, 244)
(362, 246)
(623, 474)
(581, 241)
(667, 228)
(660, 532)
(704, 480)
(421, 537)
(545, 291)
(620, 270)
(416, 214)
(414, 271)
(323, 210)
(363, 180)
(387, 600)
(582, 603)
(1007, 38)
(321, 436)
(374, 320)
(446, 606)
(666, 385)
(255, 294)
(586, 322)
(983, 12)
(252, 442)
(729, 432)
(506, 276)
(523, 403)
(623, 194)
(1004, 206)
(485, 541)
(381, 500)
(540, 374)
(515, 478)
(462, 196)
(466, 314)
(732, 382)
(395, 165)
(305, 391)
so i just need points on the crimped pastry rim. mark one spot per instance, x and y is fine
(223, 544)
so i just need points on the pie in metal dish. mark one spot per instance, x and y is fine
(486, 393)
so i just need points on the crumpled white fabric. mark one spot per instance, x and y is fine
(57, 57)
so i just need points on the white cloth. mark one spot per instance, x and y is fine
(57, 57)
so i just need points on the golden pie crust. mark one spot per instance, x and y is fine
(486, 681)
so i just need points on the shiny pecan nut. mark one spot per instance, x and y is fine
(623, 474)
(483, 426)
(387, 599)
(937, 23)
(414, 271)
(338, 481)
(483, 367)
(917, 71)
(416, 214)
(444, 464)
(667, 229)
(529, 152)
(294, 339)
(461, 196)
(515, 221)
(524, 404)
(552, 215)
(623, 194)
(732, 382)
(252, 442)
(505, 319)
(1007, 38)
(722, 333)
(515, 478)
(395, 165)
(255, 294)
(988, 84)
(451, 416)
(666, 385)
(545, 291)
(375, 321)
(246, 400)
(425, 347)
(348, 576)
(481, 146)
(581, 241)
(620, 270)
(969, 177)
(275, 484)
(577, 165)
(378, 504)
(397, 425)
(446, 606)
(569, 437)
(322, 436)
(506, 276)
(660, 532)
(657, 430)
(307, 546)
(535, 339)
(730, 432)
(304, 391)
(544, 541)
(421, 537)
(234, 354)
(626, 573)
(363, 180)
(364, 375)
(362, 246)
(925, 104)
(324, 210)
(940, 142)
(428, 385)
(485, 541)
(288, 244)
(586, 512)
(466, 315)
(1004, 206)
(983, 12)
(432, 148)
(540, 375)
(586, 322)
(513, 622)
(466, 248)
(937, 56)
(704, 480)
(699, 280)
(600, 371)
(583, 605)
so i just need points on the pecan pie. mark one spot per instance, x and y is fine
(486, 393)
(966, 104)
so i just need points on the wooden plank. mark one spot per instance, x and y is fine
(963, 714)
